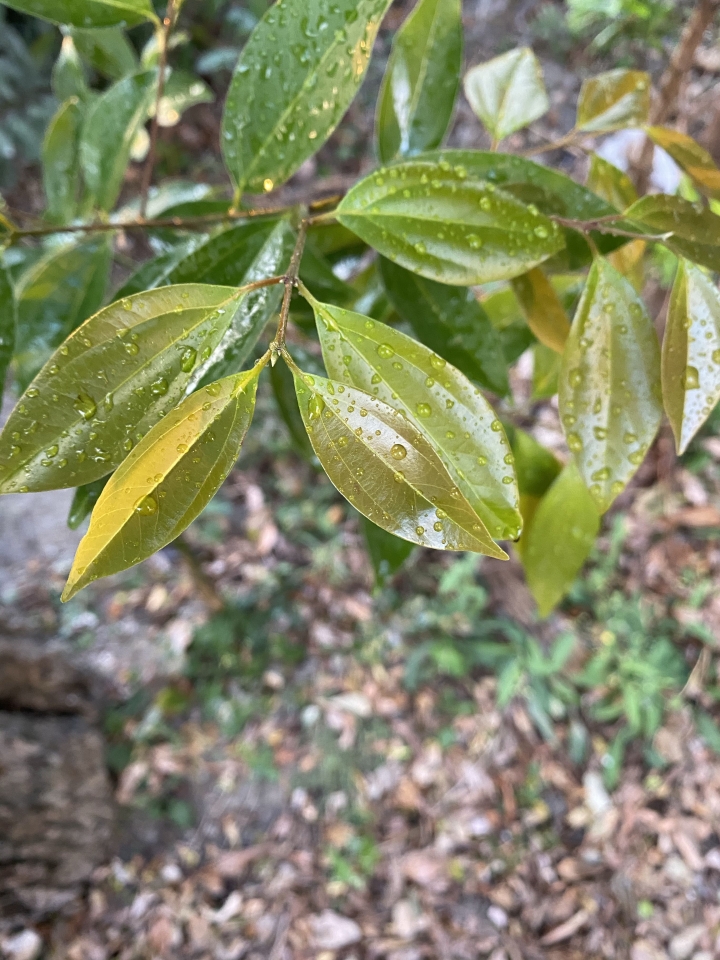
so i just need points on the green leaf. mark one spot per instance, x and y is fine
(54, 296)
(386, 551)
(451, 322)
(110, 127)
(295, 78)
(421, 80)
(167, 480)
(68, 75)
(503, 309)
(610, 383)
(611, 184)
(387, 469)
(688, 231)
(536, 467)
(546, 369)
(690, 156)
(283, 384)
(543, 309)
(111, 381)
(182, 91)
(613, 100)
(317, 275)
(107, 49)
(84, 500)
(559, 539)
(61, 167)
(691, 353)
(7, 324)
(439, 222)
(157, 271)
(507, 92)
(452, 415)
(87, 13)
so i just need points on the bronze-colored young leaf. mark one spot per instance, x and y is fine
(507, 92)
(691, 353)
(436, 399)
(610, 183)
(387, 469)
(109, 383)
(296, 77)
(421, 80)
(60, 162)
(87, 13)
(167, 480)
(558, 539)
(7, 324)
(610, 383)
(436, 220)
(689, 231)
(690, 156)
(543, 309)
(613, 100)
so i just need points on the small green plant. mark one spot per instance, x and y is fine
(354, 863)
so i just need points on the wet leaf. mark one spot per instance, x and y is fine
(507, 92)
(87, 13)
(536, 466)
(505, 314)
(182, 91)
(295, 78)
(436, 399)
(108, 383)
(690, 156)
(438, 221)
(386, 468)
(450, 321)
(386, 551)
(546, 369)
(610, 383)
(559, 538)
(107, 49)
(283, 384)
(689, 232)
(691, 353)
(7, 324)
(543, 309)
(60, 162)
(84, 500)
(167, 480)
(613, 100)
(54, 296)
(421, 80)
(110, 127)
(611, 184)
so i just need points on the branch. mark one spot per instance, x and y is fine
(605, 225)
(290, 280)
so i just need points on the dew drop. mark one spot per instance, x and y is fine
(398, 451)
(423, 410)
(600, 433)
(159, 387)
(419, 531)
(85, 406)
(385, 351)
(132, 348)
(187, 359)
(32, 392)
(691, 378)
(574, 442)
(146, 506)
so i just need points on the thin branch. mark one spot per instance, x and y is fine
(572, 138)
(605, 225)
(290, 280)
(163, 36)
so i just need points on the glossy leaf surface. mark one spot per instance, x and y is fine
(507, 92)
(610, 383)
(54, 297)
(421, 80)
(167, 480)
(690, 232)
(691, 353)
(283, 384)
(388, 471)
(87, 13)
(437, 399)
(535, 465)
(84, 500)
(107, 49)
(543, 309)
(690, 156)
(438, 221)
(387, 552)
(610, 183)
(559, 539)
(112, 380)
(110, 127)
(613, 100)
(60, 163)
(295, 78)
(450, 321)
(7, 324)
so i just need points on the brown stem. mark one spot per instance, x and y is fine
(671, 81)
(573, 137)
(290, 280)
(163, 36)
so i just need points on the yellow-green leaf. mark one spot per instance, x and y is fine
(559, 538)
(507, 92)
(167, 480)
(546, 369)
(690, 156)
(436, 220)
(543, 310)
(610, 383)
(613, 100)
(108, 383)
(689, 231)
(87, 13)
(387, 469)
(691, 353)
(437, 399)
(610, 183)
